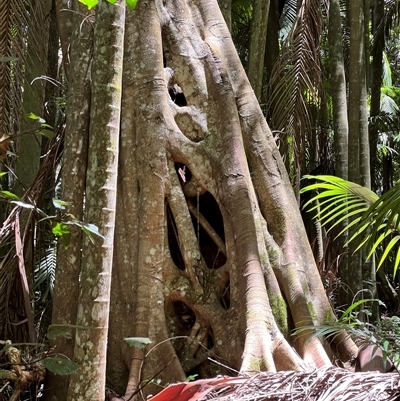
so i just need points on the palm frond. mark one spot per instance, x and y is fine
(296, 82)
(45, 273)
(372, 219)
(21, 21)
(12, 310)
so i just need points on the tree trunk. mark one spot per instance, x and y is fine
(339, 91)
(340, 125)
(378, 30)
(356, 82)
(258, 40)
(211, 258)
(226, 10)
(74, 167)
(100, 203)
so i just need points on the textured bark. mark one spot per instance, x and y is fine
(258, 40)
(339, 92)
(360, 271)
(378, 31)
(356, 82)
(73, 179)
(100, 203)
(211, 258)
(340, 124)
(222, 138)
(226, 10)
(65, 16)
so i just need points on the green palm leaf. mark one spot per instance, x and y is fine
(371, 218)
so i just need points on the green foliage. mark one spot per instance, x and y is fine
(371, 219)
(191, 378)
(384, 335)
(53, 334)
(138, 342)
(59, 366)
(91, 3)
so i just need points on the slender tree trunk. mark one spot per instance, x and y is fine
(376, 80)
(258, 40)
(271, 46)
(226, 10)
(65, 16)
(339, 91)
(100, 203)
(359, 151)
(73, 180)
(356, 82)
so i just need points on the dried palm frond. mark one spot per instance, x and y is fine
(14, 315)
(325, 384)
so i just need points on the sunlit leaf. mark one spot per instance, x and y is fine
(9, 195)
(89, 3)
(87, 228)
(138, 342)
(33, 116)
(24, 204)
(60, 229)
(131, 3)
(59, 366)
(60, 204)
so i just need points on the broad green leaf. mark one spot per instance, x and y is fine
(388, 248)
(46, 133)
(60, 204)
(9, 195)
(87, 228)
(89, 3)
(24, 204)
(53, 334)
(60, 229)
(3, 173)
(138, 342)
(397, 262)
(7, 375)
(7, 59)
(59, 366)
(92, 228)
(355, 305)
(33, 116)
(131, 3)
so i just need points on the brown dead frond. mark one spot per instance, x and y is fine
(15, 319)
(325, 384)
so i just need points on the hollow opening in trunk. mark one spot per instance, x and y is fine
(207, 207)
